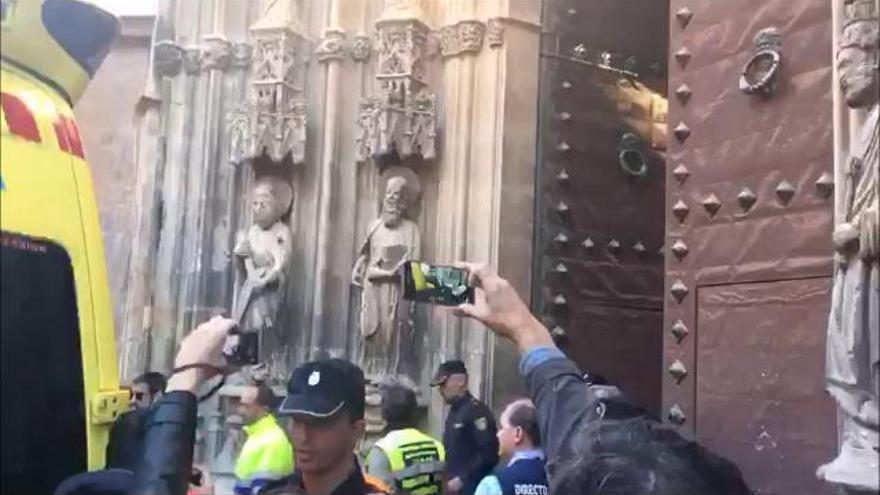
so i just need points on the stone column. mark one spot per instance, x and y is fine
(330, 54)
(490, 54)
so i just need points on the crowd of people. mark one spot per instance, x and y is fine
(569, 437)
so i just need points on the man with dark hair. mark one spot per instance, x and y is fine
(595, 443)
(469, 434)
(147, 389)
(406, 459)
(519, 441)
(267, 454)
(325, 406)
(127, 431)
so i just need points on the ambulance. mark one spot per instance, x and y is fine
(60, 387)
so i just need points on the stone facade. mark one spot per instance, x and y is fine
(327, 97)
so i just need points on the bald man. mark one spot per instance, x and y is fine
(266, 455)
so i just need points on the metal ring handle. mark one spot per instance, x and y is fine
(766, 82)
(641, 170)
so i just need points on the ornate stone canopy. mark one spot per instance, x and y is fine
(401, 118)
(272, 119)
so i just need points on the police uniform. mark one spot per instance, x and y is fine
(469, 435)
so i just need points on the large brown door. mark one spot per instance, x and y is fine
(600, 195)
(748, 220)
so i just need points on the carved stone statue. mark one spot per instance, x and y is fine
(391, 240)
(853, 346)
(263, 253)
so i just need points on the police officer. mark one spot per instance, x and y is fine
(405, 458)
(469, 436)
(325, 405)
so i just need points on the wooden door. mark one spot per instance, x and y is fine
(601, 186)
(748, 225)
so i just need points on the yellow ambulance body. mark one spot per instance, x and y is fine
(60, 384)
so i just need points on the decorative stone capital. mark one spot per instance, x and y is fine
(192, 60)
(471, 35)
(463, 37)
(217, 53)
(167, 58)
(495, 32)
(331, 45)
(242, 55)
(361, 46)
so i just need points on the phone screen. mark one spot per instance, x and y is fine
(444, 285)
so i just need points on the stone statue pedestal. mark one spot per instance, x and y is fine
(857, 468)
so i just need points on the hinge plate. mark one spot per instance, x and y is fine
(107, 406)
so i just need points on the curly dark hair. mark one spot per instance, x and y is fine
(622, 450)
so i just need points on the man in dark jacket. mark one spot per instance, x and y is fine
(469, 435)
(126, 435)
(595, 443)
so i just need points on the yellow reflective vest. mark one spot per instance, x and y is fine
(265, 456)
(416, 461)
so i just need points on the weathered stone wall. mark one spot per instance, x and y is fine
(106, 117)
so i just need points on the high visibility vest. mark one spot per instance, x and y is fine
(416, 461)
(265, 456)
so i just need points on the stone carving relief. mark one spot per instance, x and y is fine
(242, 55)
(192, 60)
(272, 119)
(361, 46)
(262, 255)
(495, 32)
(852, 366)
(331, 46)
(217, 53)
(401, 118)
(386, 320)
(463, 37)
(167, 58)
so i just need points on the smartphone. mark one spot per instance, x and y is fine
(242, 348)
(435, 284)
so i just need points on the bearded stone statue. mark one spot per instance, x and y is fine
(391, 240)
(853, 347)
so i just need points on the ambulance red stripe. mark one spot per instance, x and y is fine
(19, 118)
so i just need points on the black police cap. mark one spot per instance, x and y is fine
(324, 389)
(452, 367)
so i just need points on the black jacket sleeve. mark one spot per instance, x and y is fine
(169, 436)
(564, 404)
(481, 423)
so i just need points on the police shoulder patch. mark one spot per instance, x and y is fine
(481, 423)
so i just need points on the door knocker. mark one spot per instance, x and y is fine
(632, 156)
(761, 73)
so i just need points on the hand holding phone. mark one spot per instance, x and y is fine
(241, 348)
(436, 284)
